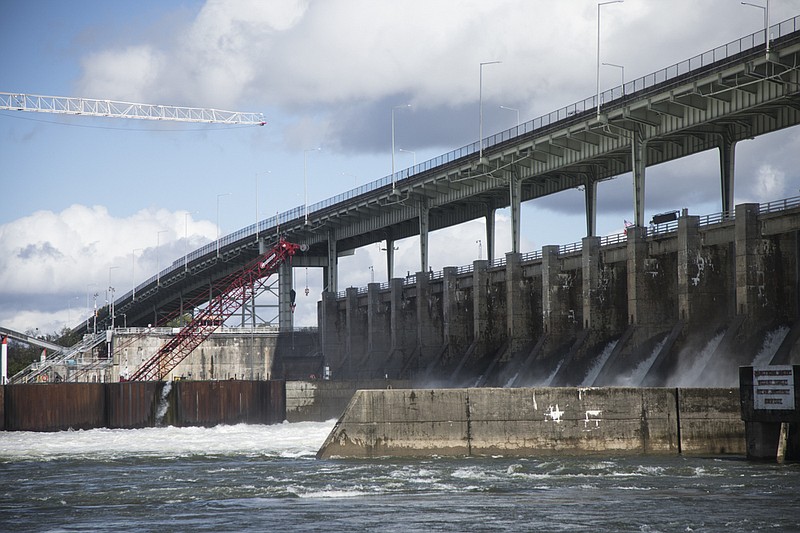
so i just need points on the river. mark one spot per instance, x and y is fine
(266, 478)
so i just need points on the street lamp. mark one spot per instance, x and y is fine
(218, 197)
(158, 264)
(512, 109)
(623, 74)
(394, 181)
(110, 296)
(413, 154)
(766, 19)
(599, 5)
(87, 304)
(480, 249)
(480, 106)
(305, 180)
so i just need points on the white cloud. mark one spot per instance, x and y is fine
(49, 260)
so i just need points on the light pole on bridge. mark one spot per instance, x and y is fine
(480, 107)
(599, 5)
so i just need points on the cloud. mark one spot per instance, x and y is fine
(47, 258)
(331, 71)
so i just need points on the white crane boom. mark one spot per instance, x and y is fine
(110, 108)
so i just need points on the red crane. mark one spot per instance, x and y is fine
(234, 290)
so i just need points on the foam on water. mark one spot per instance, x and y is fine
(291, 440)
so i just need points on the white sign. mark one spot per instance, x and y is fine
(773, 388)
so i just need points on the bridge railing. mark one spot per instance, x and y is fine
(748, 42)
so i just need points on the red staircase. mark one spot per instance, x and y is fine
(234, 290)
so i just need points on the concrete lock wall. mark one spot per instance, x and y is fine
(537, 421)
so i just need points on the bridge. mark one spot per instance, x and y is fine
(737, 91)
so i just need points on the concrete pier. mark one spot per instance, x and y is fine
(537, 422)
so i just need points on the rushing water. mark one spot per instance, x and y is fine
(265, 478)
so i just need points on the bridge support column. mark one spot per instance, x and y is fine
(455, 331)
(750, 280)
(639, 153)
(727, 164)
(592, 271)
(332, 270)
(518, 312)
(490, 214)
(428, 339)
(480, 299)
(424, 220)
(329, 331)
(689, 269)
(642, 303)
(285, 298)
(515, 195)
(354, 339)
(377, 324)
(389, 259)
(555, 308)
(397, 319)
(590, 195)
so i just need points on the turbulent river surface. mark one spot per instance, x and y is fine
(266, 478)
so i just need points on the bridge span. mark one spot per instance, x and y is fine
(736, 91)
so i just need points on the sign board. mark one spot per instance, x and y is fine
(773, 387)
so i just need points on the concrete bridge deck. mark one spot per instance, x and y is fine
(711, 101)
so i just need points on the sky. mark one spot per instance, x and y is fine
(90, 203)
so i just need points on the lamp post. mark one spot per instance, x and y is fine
(158, 264)
(110, 296)
(394, 181)
(511, 109)
(87, 304)
(480, 249)
(599, 5)
(622, 69)
(766, 19)
(218, 197)
(480, 105)
(133, 272)
(413, 154)
(305, 180)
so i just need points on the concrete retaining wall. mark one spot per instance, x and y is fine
(537, 421)
(322, 400)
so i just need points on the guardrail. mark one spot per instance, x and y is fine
(743, 44)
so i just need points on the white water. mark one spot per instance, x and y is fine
(598, 365)
(297, 439)
(772, 341)
(163, 404)
(636, 376)
(690, 371)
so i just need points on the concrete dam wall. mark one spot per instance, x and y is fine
(679, 304)
(537, 422)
